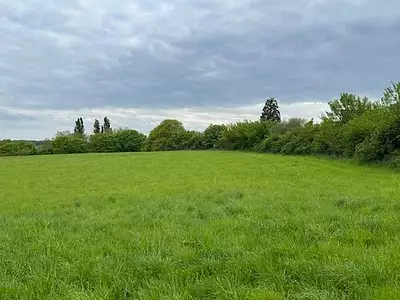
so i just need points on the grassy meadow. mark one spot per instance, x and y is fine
(197, 225)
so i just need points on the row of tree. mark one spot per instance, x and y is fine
(105, 128)
(354, 127)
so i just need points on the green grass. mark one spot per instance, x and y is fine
(197, 225)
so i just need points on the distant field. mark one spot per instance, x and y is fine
(197, 225)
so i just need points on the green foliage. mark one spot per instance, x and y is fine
(194, 140)
(45, 148)
(106, 128)
(68, 144)
(282, 137)
(128, 140)
(270, 111)
(16, 148)
(395, 159)
(96, 127)
(244, 135)
(79, 127)
(370, 150)
(169, 135)
(124, 140)
(347, 107)
(299, 140)
(102, 143)
(391, 95)
(212, 135)
(327, 139)
(285, 126)
(353, 128)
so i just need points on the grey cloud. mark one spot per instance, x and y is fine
(69, 55)
(14, 117)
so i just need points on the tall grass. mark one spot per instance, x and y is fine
(197, 225)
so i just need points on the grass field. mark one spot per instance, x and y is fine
(197, 225)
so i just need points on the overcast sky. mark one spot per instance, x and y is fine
(201, 61)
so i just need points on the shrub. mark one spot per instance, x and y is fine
(68, 144)
(16, 148)
(128, 140)
(299, 140)
(370, 150)
(395, 159)
(213, 135)
(244, 135)
(169, 135)
(45, 148)
(123, 140)
(361, 127)
(285, 126)
(194, 140)
(270, 144)
(327, 139)
(102, 143)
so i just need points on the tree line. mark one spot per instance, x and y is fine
(354, 127)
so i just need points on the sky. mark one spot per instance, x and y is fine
(199, 61)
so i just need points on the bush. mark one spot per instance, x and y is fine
(370, 150)
(127, 140)
(244, 135)
(123, 140)
(395, 159)
(102, 143)
(45, 148)
(169, 135)
(285, 126)
(69, 144)
(327, 139)
(16, 148)
(299, 141)
(271, 144)
(361, 127)
(213, 135)
(194, 140)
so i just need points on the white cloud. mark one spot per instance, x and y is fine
(69, 57)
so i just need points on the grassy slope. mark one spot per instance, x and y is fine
(197, 225)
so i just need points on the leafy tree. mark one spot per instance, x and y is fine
(63, 133)
(244, 135)
(370, 150)
(106, 128)
(212, 135)
(45, 148)
(347, 107)
(359, 128)
(16, 148)
(79, 127)
(193, 140)
(68, 144)
(270, 111)
(391, 95)
(96, 127)
(285, 126)
(169, 135)
(128, 140)
(102, 143)
(124, 140)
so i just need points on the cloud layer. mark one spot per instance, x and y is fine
(199, 61)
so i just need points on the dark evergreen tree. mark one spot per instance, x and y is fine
(271, 111)
(79, 127)
(106, 128)
(96, 127)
